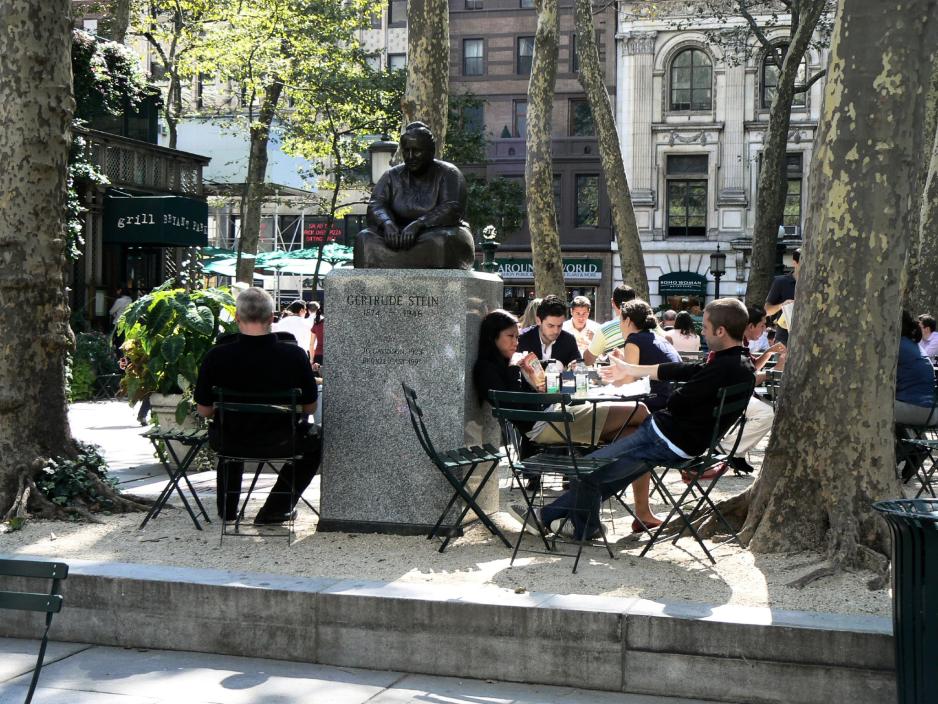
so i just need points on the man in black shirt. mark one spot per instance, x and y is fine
(781, 292)
(681, 430)
(256, 361)
(548, 339)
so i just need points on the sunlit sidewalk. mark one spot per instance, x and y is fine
(87, 674)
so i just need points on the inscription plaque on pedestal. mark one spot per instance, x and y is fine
(385, 327)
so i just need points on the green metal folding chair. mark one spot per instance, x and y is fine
(563, 461)
(732, 402)
(277, 404)
(48, 603)
(458, 467)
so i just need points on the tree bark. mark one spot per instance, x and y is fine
(538, 166)
(610, 153)
(120, 20)
(773, 182)
(36, 107)
(921, 286)
(255, 186)
(427, 92)
(924, 298)
(816, 487)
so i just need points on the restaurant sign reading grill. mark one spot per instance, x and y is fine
(167, 221)
(573, 269)
(682, 283)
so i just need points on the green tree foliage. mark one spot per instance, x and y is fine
(271, 50)
(332, 125)
(497, 202)
(174, 29)
(465, 139)
(107, 80)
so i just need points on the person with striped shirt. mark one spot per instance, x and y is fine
(609, 335)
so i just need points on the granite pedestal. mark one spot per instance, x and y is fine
(384, 327)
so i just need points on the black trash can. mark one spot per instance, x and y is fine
(914, 526)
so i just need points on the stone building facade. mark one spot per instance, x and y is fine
(692, 111)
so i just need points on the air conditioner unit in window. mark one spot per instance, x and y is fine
(792, 231)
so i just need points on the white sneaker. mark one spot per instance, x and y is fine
(562, 527)
(520, 512)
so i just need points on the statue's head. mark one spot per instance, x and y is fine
(417, 147)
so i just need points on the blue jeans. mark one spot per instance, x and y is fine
(637, 453)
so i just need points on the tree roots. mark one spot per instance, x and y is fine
(30, 501)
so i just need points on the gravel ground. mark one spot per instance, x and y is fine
(672, 573)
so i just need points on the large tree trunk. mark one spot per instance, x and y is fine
(120, 19)
(36, 108)
(921, 286)
(924, 296)
(427, 91)
(831, 453)
(538, 167)
(773, 181)
(255, 186)
(610, 153)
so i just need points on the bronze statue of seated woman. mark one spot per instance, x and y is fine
(415, 212)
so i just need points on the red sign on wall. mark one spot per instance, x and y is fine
(314, 232)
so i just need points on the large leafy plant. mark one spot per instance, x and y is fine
(166, 335)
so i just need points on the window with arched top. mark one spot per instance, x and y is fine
(691, 81)
(770, 80)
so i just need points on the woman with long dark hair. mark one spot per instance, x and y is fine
(642, 346)
(494, 370)
(684, 336)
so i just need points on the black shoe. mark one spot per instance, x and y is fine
(741, 466)
(533, 483)
(272, 519)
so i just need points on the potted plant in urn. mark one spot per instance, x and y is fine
(166, 335)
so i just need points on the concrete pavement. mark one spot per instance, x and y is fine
(86, 674)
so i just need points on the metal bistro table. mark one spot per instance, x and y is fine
(595, 396)
(192, 441)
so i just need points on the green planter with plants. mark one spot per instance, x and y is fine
(166, 335)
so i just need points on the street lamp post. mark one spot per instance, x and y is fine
(717, 268)
(380, 153)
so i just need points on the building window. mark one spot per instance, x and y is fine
(581, 119)
(770, 80)
(795, 177)
(472, 117)
(557, 185)
(574, 56)
(397, 13)
(473, 4)
(527, 4)
(687, 195)
(397, 62)
(377, 19)
(525, 55)
(691, 81)
(473, 60)
(587, 200)
(519, 119)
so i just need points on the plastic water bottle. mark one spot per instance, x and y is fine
(554, 370)
(581, 375)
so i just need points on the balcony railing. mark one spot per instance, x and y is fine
(139, 165)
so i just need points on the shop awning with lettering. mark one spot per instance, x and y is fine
(573, 269)
(682, 283)
(164, 221)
